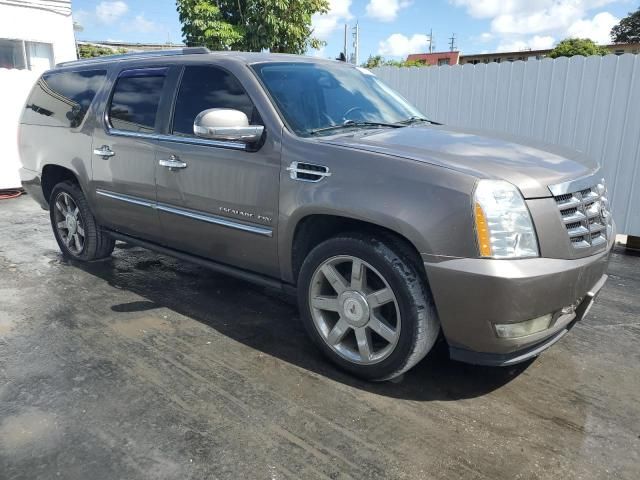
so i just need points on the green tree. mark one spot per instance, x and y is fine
(420, 62)
(374, 61)
(89, 51)
(628, 30)
(577, 46)
(252, 25)
(379, 61)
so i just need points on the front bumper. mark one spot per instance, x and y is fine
(471, 295)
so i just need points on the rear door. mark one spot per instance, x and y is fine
(223, 204)
(124, 152)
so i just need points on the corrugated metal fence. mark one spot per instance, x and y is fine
(591, 104)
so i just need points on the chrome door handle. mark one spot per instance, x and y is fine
(104, 151)
(173, 163)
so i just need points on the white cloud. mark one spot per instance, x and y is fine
(141, 24)
(386, 10)
(537, 42)
(494, 8)
(398, 45)
(537, 24)
(597, 29)
(108, 12)
(339, 13)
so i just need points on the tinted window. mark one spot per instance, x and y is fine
(136, 96)
(314, 96)
(61, 99)
(204, 87)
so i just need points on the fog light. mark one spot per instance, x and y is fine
(522, 329)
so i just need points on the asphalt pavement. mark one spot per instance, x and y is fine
(146, 367)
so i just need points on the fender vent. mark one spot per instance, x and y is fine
(307, 172)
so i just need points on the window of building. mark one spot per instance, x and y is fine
(205, 87)
(510, 59)
(62, 99)
(20, 54)
(497, 60)
(486, 60)
(619, 52)
(443, 61)
(135, 101)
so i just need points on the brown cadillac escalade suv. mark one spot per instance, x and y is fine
(314, 177)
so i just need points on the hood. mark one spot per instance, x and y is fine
(528, 164)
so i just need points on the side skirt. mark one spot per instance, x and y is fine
(246, 275)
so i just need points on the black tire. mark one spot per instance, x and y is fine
(393, 260)
(96, 243)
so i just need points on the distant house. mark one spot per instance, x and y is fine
(34, 36)
(455, 58)
(436, 58)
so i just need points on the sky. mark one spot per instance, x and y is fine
(391, 28)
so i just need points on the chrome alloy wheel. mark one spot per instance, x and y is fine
(354, 310)
(69, 223)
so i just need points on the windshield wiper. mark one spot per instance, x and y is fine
(416, 119)
(353, 123)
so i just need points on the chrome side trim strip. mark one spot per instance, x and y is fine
(178, 139)
(203, 217)
(126, 198)
(267, 232)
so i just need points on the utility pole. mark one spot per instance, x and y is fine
(356, 44)
(452, 42)
(346, 32)
(430, 41)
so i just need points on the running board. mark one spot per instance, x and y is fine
(251, 277)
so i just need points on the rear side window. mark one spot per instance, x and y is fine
(205, 87)
(135, 100)
(61, 99)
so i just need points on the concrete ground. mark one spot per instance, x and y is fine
(144, 367)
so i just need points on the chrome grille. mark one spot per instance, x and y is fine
(585, 214)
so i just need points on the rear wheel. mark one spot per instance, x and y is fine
(365, 304)
(78, 234)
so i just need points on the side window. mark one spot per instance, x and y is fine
(205, 87)
(61, 99)
(135, 100)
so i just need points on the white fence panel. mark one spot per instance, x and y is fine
(591, 104)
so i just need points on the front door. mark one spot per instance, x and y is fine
(124, 154)
(219, 199)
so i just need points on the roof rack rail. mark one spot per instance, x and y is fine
(134, 55)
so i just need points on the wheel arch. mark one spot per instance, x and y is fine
(52, 174)
(313, 228)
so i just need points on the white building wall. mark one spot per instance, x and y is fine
(46, 21)
(40, 21)
(591, 104)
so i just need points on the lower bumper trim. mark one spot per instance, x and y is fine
(506, 359)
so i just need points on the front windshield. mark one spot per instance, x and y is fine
(312, 97)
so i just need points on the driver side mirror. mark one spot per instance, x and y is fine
(226, 124)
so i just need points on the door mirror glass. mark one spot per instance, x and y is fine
(226, 124)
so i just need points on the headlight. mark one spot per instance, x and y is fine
(503, 223)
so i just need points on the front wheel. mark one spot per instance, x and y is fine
(366, 306)
(78, 234)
